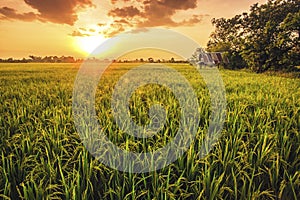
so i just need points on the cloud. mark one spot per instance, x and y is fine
(151, 13)
(123, 21)
(194, 20)
(101, 24)
(117, 27)
(178, 4)
(129, 11)
(79, 34)
(83, 32)
(113, 30)
(55, 11)
(58, 11)
(115, 1)
(139, 30)
(83, 29)
(9, 13)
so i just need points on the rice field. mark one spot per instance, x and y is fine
(42, 156)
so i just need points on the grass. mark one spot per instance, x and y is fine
(42, 157)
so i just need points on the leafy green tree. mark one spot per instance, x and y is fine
(226, 38)
(266, 38)
(289, 40)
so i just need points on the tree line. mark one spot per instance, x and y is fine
(70, 59)
(266, 38)
(46, 59)
(151, 60)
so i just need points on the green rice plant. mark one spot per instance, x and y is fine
(43, 157)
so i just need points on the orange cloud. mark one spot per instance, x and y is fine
(9, 13)
(115, 1)
(139, 30)
(156, 13)
(79, 34)
(55, 11)
(129, 11)
(178, 4)
(113, 30)
(122, 21)
(101, 24)
(149, 13)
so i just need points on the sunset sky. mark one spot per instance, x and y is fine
(76, 27)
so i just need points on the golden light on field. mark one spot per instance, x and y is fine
(89, 43)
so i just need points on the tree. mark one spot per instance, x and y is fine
(35, 58)
(150, 60)
(264, 48)
(265, 39)
(289, 40)
(226, 39)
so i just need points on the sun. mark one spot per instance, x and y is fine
(88, 44)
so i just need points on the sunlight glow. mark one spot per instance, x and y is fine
(89, 43)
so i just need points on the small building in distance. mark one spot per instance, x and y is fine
(202, 58)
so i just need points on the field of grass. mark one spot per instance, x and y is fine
(42, 156)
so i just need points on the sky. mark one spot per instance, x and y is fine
(77, 27)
